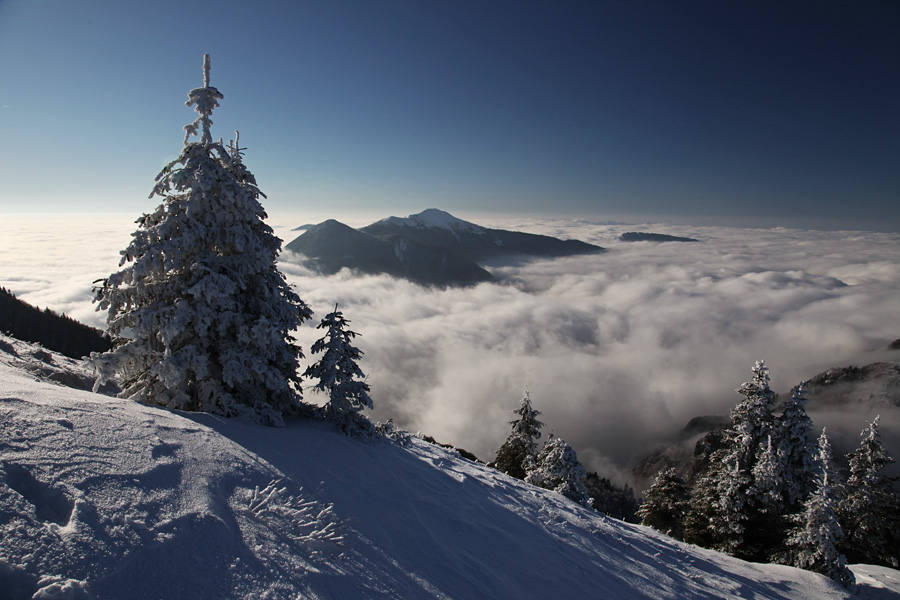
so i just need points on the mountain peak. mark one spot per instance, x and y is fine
(432, 247)
(433, 218)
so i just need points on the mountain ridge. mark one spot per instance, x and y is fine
(431, 247)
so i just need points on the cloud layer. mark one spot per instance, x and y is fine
(619, 350)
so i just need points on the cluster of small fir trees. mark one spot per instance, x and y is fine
(771, 492)
(202, 315)
(556, 467)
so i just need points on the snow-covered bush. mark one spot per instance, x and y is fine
(559, 469)
(203, 314)
(389, 431)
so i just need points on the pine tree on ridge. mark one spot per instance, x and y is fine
(338, 373)
(517, 455)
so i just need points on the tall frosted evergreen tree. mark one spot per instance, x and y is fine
(753, 418)
(812, 545)
(517, 455)
(338, 373)
(870, 509)
(202, 312)
(796, 450)
(559, 469)
(666, 504)
(731, 509)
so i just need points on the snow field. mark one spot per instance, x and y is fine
(107, 498)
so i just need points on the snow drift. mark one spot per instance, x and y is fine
(108, 498)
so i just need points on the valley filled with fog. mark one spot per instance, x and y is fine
(618, 349)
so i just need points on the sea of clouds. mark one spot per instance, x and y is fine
(618, 350)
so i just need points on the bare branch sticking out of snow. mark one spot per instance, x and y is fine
(309, 521)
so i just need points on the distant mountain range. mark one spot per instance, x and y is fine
(432, 247)
(638, 236)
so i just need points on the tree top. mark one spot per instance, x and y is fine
(204, 100)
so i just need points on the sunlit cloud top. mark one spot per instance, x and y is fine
(619, 349)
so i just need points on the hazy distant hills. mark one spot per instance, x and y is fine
(431, 247)
(331, 246)
(637, 236)
(875, 384)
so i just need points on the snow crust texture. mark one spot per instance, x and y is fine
(102, 498)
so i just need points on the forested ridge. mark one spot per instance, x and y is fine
(49, 329)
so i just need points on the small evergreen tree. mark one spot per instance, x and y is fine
(337, 371)
(517, 455)
(812, 543)
(202, 312)
(870, 507)
(559, 469)
(667, 504)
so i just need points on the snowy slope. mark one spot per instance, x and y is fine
(106, 498)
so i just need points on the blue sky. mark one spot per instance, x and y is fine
(758, 113)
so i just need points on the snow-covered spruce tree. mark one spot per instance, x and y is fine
(796, 450)
(767, 516)
(870, 509)
(517, 455)
(730, 510)
(812, 543)
(752, 419)
(768, 478)
(203, 314)
(701, 524)
(666, 504)
(338, 374)
(559, 469)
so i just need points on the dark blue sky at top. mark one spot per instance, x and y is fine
(728, 112)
